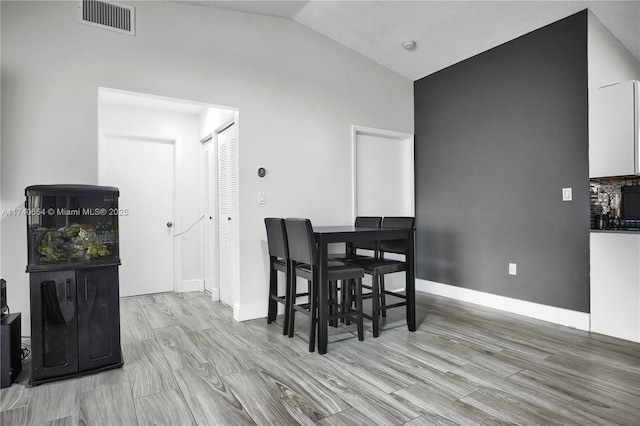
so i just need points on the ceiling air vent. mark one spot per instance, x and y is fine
(108, 15)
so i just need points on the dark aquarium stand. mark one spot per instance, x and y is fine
(73, 254)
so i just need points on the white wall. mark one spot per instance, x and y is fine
(609, 61)
(297, 93)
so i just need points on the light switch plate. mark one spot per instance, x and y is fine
(262, 198)
(567, 194)
(513, 269)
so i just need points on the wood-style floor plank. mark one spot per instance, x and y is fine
(188, 362)
(322, 400)
(15, 396)
(134, 334)
(159, 315)
(431, 404)
(178, 347)
(540, 402)
(270, 401)
(217, 347)
(108, 406)
(210, 400)
(65, 421)
(55, 400)
(358, 392)
(17, 416)
(147, 368)
(164, 408)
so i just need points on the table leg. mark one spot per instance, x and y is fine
(323, 303)
(411, 282)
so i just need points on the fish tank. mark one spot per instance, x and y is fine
(71, 226)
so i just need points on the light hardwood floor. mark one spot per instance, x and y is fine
(188, 363)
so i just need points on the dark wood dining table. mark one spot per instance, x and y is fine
(326, 235)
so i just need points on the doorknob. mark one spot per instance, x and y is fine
(169, 224)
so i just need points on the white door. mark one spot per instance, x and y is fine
(143, 170)
(227, 213)
(210, 241)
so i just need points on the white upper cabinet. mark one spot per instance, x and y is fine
(614, 121)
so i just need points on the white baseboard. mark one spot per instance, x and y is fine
(566, 317)
(215, 294)
(190, 285)
(575, 319)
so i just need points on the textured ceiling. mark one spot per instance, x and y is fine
(446, 32)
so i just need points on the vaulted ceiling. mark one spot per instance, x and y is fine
(445, 32)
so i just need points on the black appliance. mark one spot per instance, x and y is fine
(631, 204)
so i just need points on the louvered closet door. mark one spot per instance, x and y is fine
(209, 219)
(227, 212)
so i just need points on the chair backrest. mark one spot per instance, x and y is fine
(277, 237)
(402, 222)
(302, 243)
(366, 222)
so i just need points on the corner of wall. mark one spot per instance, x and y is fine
(609, 62)
(249, 311)
(565, 317)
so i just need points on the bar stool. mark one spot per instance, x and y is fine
(352, 247)
(303, 253)
(379, 267)
(279, 262)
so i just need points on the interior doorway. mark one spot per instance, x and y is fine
(144, 117)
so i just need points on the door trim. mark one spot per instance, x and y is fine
(372, 131)
(103, 133)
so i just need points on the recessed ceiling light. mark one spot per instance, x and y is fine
(409, 45)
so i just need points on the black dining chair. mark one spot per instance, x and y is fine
(379, 267)
(352, 247)
(279, 262)
(303, 253)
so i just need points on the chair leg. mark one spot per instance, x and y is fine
(383, 299)
(292, 321)
(273, 292)
(291, 302)
(375, 301)
(289, 299)
(344, 286)
(313, 314)
(347, 289)
(358, 290)
(333, 300)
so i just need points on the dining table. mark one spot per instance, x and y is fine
(326, 235)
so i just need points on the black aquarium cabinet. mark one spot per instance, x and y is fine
(73, 253)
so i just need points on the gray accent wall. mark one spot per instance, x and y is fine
(497, 137)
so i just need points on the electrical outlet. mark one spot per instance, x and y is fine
(513, 270)
(567, 194)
